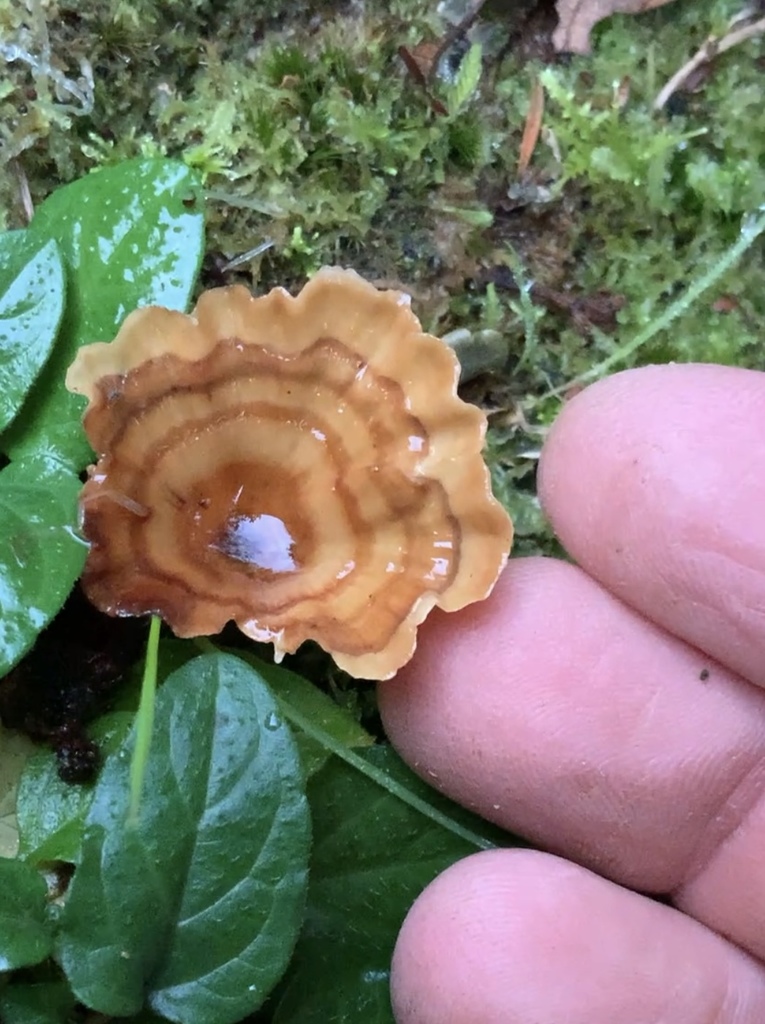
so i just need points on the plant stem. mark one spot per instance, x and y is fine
(144, 722)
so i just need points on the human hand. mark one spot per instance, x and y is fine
(613, 713)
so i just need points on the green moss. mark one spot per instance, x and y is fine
(310, 132)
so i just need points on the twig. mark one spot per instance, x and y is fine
(25, 196)
(81, 91)
(246, 257)
(532, 126)
(711, 48)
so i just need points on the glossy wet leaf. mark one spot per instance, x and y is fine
(196, 909)
(16, 749)
(466, 81)
(26, 936)
(31, 304)
(293, 694)
(373, 855)
(36, 1002)
(130, 235)
(51, 813)
(40, 555)
(296, 694)
(346, 981)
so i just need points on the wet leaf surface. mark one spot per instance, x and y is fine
(31, 1002)
(194, 909)
(26, 935)
(373, 855)
(40, 555)
(130, 235)
(51, 813)
(296, 694)
(15, 752)
(31, 304)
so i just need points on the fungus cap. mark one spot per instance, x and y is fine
(302, 466)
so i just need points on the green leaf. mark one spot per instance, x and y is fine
(343, 981)
(300, 700)
(467, 80)
(373, 855)
(26, 936)
(195, 909)
(51, 813)
(130, 235)
(15, 751)
(40, 555)
(36, 1002)
(31, 304)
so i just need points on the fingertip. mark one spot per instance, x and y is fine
(515, 936)
(559, 714)
(654, 480)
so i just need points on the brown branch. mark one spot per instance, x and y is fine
(711, 49)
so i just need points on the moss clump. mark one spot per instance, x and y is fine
(311, 132)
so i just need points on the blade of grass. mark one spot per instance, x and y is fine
(751, 229)
(144, 721)
(383, 779)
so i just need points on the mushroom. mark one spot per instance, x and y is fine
(301, 466)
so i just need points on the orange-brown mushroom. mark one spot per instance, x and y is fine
(302, 466)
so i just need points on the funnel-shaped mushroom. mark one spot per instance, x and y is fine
(302, 466)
